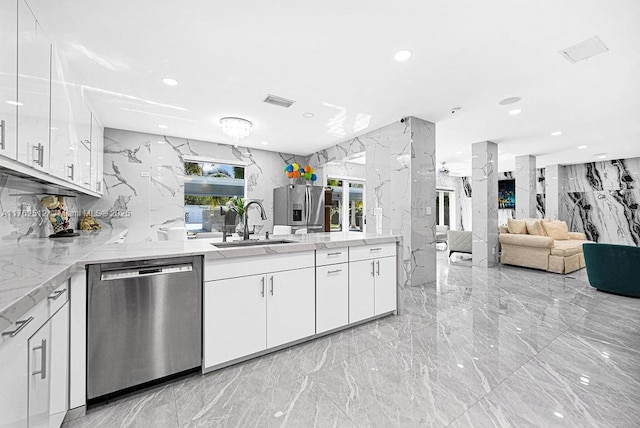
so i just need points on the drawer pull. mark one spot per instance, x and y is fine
(262, 292)
(375, 249)
(57, 294)
(334, 271)
(335, 254)
(2, 134)
(21, 324)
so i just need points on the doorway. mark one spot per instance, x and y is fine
(347, 209)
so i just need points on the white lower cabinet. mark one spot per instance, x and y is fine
(253, 313)
(372, 283)
(34, 356)
(290, 306)
(332, 296)
(235, 318)
(361, 290)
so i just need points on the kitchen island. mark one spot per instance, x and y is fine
(256, 299)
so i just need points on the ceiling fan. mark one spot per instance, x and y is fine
(444, 169)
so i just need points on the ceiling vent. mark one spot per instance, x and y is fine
(278, 101)
(584, 50)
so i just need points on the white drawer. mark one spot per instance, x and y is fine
(254, 265)
(332, 256)
(372, 251)
(30, 322)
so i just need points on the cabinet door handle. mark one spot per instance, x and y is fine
(262, 290)
(71, 172)
(21, 324)
(334, 271)
(378, 266)
(99, 186)
(57, 294)
(271, 279)
(41, 154)
(2, 140)
(43, 361)
(373, 268)
(334, 254)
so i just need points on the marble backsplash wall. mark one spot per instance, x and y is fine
(144, 180)
(601, 199)
(21, 216)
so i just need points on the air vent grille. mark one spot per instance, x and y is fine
(278, 101)
(584, 50)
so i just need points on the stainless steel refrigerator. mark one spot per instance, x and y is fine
(300, 207)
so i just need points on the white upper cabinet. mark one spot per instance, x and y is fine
(97, 155)
(34, 76)
(8, 77)
(63, 131)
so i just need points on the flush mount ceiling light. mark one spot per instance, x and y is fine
(402, 56)
(264, 143)
(510, 100)
(556, 133)
(600, 155)
(169, 81)
(582, 147)
(163, 127)
(515, 111)
(236, 128)
(308, 115)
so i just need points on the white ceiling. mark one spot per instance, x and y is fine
(335, 59)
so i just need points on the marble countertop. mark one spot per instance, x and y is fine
(31, 270)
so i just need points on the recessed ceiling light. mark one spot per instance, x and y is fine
(308, 115)
(160, 142)
(402, 56)
(264, 143)
(600, 155)
(582, 147)
(510, 100)
(163, 127)
(14, 103)
(515, 111)
(169, 81)
(556, 133)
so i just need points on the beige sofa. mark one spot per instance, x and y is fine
(534, 248)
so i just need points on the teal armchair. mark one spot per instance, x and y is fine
(613, 268)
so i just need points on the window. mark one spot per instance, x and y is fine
(208, 186)
(348, 205)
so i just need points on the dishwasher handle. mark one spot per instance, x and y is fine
(144, 272)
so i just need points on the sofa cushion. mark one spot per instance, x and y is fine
(516, 226)
(566, 248)
(556, 229)
(534, 227)
(577, 236)
(525, 240)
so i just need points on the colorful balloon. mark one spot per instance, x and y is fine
(314, 177)
(289, 174)
(285, 168)
(307, 169)
(289, 168)
(307, 176)
(311, 170)
(296, 167)
(296, 174)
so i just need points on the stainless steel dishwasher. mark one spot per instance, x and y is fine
(144, 323)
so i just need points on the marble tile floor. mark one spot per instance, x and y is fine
(503, 347)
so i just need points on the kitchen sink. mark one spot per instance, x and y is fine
(252, 243)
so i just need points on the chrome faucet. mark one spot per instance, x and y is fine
(263, 215)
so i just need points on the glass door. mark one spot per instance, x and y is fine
(445, 209)
(347, 209)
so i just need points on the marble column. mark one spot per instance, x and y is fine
(525, 176)
(423, 202)
(554, 183)
(484, 165)
(400, 193)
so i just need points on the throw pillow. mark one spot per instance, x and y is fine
(556, 229)
(535, 228)
(516, 226)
